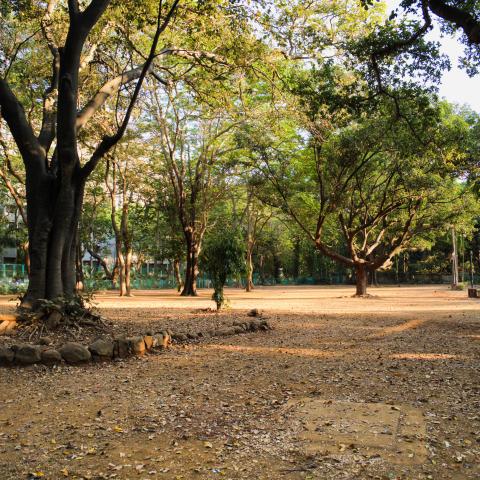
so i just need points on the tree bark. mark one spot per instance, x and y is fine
(128, 270)
(454, 259)
(79, 266)
(296, 258)
(191, 271)
(276, 267)
(178, 277)
(249, 281)
(361, 279)
(27, 256)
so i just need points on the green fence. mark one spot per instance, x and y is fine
(16, 274)
(12, 271)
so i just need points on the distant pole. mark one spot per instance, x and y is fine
(471, 268)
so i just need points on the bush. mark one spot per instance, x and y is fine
(10, 287)
(223, 256)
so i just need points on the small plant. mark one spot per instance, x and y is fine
(223, 256)
(9, 287)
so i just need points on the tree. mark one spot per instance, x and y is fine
(55, 177)
(194, 140)
(374, 181)
(223, 256)
(257, 217)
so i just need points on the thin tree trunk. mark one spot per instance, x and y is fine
(128, 271)
(79, 267)
(27, 256)
(178, 277)
(276, 267)
(454, 259)
(121, 269)
(115, 273)
(249, 283)
(296, 258)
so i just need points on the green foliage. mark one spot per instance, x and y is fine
(223, 256)
(7, 287)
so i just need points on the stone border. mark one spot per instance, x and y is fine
(107, 349)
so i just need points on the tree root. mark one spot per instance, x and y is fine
(64, 313)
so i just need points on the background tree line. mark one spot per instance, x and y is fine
(311, 134)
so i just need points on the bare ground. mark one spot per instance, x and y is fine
(383, 387)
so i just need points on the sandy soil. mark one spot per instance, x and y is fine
(299, 402)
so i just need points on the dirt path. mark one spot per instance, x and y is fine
(385, 387)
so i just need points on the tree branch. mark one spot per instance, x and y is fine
(12, 111)
(460, 18)
(104, 93)
(109, 141)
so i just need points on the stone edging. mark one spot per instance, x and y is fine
(106, 348)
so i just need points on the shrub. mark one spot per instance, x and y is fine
(223, 256)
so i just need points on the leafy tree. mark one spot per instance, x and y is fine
(194, 141)
(55, 176)
(376, 181)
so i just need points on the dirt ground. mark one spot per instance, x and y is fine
(385, 387)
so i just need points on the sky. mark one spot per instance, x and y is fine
(456, 85)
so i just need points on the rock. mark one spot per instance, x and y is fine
(161, 340)
(6, 356)
(258, 325)
(148, 339)
(243, 325)
(121, 348)
(167, 338)
(53, 320)
(51, 357)
(28, 354)
(254, 313)
(222, 332)
(137, 345)
(264, 325)
(179, 337)
(102, 347)
(74, 353)
(45, 341)
(7, 327)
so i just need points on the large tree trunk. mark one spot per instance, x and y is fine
(361, 279)
(191, 271)
(52, 226)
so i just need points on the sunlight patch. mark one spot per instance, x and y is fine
(393, 433)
